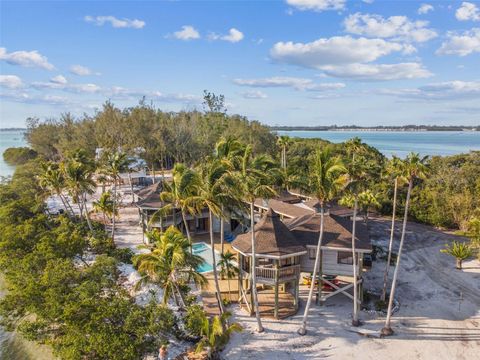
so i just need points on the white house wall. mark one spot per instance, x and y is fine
(329, 264)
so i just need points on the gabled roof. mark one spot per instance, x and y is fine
(149, 197)
(282, 208)
(272, 238)
(337, 232)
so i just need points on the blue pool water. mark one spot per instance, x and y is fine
(205, 251)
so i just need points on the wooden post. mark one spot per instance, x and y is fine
(240, 277)
(360, 275)
(275, 314)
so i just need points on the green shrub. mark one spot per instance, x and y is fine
(18, 155)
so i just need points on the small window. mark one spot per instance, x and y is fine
(312, 252)
(344, 257)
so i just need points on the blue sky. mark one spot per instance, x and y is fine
(292, 62)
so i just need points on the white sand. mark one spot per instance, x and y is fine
(439, 316)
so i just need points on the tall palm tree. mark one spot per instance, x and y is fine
(78, 172)
(283, 141)
(215, 188)
(254, 182)
(228, 150)
(357, 174)
(104, 205)
(414, 167)
(53, 180)
(227, 268)
(169, 264)
(394, 170)
(115, 164)
(181, 193)
(325, 181)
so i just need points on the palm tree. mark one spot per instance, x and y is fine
(254, 182)
(104, 205)
(115, 164)
(395, 171)
(354, 146)
(169, 264)
(78, 173)
(228, 151)
(367, 200)
(227, 268)
(357, 173)
(215, 188)
(283, 141)
(181, 193)
(53, 180)
(459, 250)
(414, 167)
(215, 334)
(325, 181)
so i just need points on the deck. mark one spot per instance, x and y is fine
(266, 302)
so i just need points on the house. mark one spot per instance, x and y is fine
(286, 238)
(149, 203)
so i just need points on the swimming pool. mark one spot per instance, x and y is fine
(205, 251)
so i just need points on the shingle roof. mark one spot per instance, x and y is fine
(150, 197)
(149, 190)
(272, 238)
(282, 208)
(337, 232)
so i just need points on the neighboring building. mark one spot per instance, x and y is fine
(149, 203)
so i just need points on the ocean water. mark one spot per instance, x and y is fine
(401, 143)
(10, 138)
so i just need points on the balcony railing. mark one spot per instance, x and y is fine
(271, 274)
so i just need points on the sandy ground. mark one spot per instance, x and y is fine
(439, 316)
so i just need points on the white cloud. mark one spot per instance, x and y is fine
(188, 32)
(119, 92)
(57, 83)
(292, 82)
(425, 8)
(233, 36)
(82, 70)
(59, 79)
(448, 90)
(25, 98)
(378, 72)
(115, 22)
(461, 44)
(468, 11)
(25, 58)
(368, 1)
(394, 27)
(337, 50)
(11, 81)
(256, 94)
(317, 5)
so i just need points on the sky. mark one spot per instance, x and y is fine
(290, 62)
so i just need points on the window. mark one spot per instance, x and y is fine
(312, 252)
(344, 257)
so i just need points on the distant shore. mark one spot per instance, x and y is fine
(408, 128)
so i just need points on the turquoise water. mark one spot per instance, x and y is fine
(204, 251)
(11, 138)
(400, 143)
